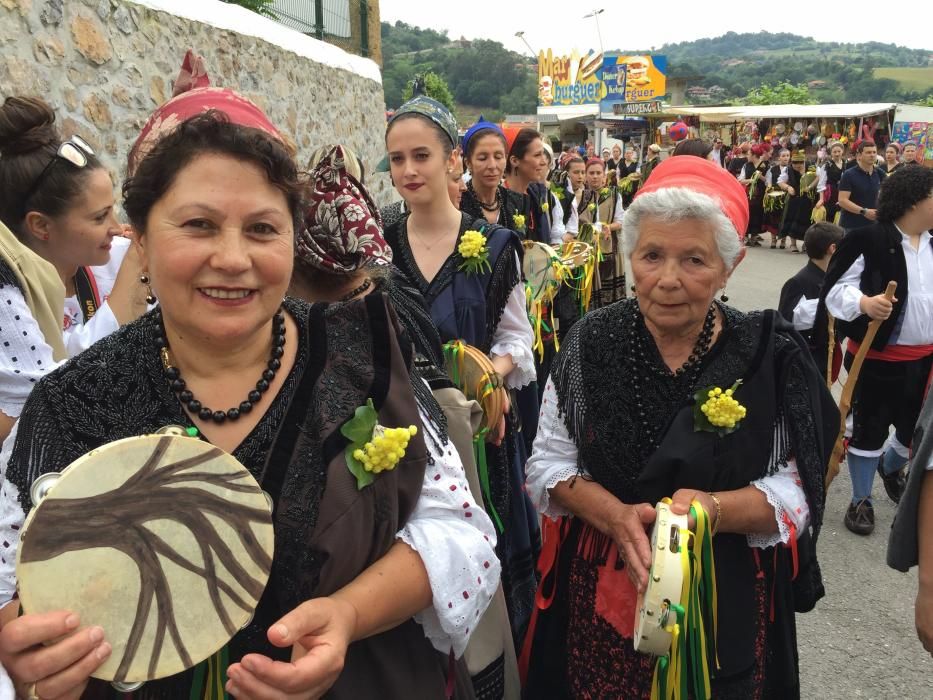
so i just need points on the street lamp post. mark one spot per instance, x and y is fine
(521, 35)
(595, 15)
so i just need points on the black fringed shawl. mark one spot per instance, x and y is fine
(591, 376)
(464, 305)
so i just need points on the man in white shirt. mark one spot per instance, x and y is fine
(893, 379)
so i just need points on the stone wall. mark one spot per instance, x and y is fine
(105, 65)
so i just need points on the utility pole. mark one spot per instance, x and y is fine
(521, 35)
(595, 15)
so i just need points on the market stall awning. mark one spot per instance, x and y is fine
(567, 114)
(743, 112)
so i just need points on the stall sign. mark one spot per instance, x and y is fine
(630, 78)
(569, 80)
(635, 108)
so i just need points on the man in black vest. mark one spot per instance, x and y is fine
(896, 372)
(800, 295)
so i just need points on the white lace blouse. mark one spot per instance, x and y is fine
(453, 536)
(514, 337)
(554, 459)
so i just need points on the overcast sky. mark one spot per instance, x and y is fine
(641, 25)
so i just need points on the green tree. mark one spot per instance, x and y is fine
(780, 94)
(260, 7)
(435, 87)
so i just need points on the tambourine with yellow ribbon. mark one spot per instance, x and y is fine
(543, 271)
(580, 258)
(774, 199)
(164, 541)
(473, 373)
(676, 616)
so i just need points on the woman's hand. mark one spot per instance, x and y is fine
(319, 632)
(569, 238)
(628, 528)
(49, 656)
(923, 617)
(680, 505)
(877, 307)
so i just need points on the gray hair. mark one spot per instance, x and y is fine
(673, 204)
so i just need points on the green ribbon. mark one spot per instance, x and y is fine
(208, 680)
(479, 452)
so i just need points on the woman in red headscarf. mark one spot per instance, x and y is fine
(752, 177)
(622, 428)
(379, 575)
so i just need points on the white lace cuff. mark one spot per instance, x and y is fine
(785, 494)
(553, 456)
(524, 372)
(456, 542)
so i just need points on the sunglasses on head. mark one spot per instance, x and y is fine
(75, 151)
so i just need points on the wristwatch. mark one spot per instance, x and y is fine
(863, 211)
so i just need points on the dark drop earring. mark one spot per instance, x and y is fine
(723, 297)
(150, 297)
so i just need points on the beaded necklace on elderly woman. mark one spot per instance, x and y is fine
(645, 370)
(187, 398)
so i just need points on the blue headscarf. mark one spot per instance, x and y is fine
(477, 127)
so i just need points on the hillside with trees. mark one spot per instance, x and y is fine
(484, 76)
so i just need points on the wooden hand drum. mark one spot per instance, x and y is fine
(473, 373)
(164, 541)
(540, 266)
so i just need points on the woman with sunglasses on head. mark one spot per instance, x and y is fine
(57, 201)
(57, 198)
(482, 306)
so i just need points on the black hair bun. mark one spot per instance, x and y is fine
(26, 124)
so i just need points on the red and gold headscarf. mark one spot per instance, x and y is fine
(192, 94)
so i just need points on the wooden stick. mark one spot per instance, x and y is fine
(845, 402)
(831, 350)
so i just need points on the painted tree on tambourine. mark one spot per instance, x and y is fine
(122, 519)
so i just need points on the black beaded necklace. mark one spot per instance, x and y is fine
(357, 290)
(173, 374)
(645, 369)
(496, 204)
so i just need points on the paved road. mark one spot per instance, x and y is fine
(860, 640)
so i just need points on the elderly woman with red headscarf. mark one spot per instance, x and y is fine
(627, 421)
(378, 575)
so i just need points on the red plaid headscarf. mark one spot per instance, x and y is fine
(193, 95)
(343, 228)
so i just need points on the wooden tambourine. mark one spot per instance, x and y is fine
(164, 541)
(473, 373)
(541, 267)
(576, 254)
(665, 583)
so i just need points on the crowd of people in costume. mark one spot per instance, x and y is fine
(261, 304)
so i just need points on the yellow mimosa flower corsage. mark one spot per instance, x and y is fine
(373, 448)
(473, 251)
(717, 411)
